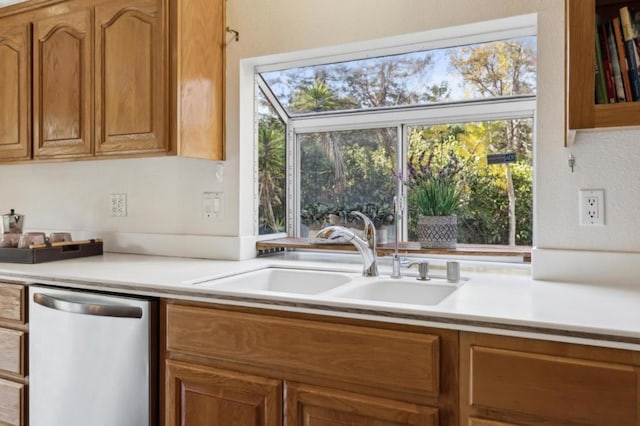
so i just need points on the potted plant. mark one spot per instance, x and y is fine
(381, 214)
(434, 196)
(313, 216)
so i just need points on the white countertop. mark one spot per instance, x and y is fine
(501, 299)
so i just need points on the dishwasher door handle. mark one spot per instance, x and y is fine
(59, 304)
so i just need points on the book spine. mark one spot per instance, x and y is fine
(630, 50)
(615, 63)
(622, 57)
(606, 64)
(601, 86)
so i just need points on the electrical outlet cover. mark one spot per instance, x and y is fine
(591, 206)
(118, 205)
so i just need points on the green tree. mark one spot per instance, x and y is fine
(271, 177)
(496, 70)
(369, 170)
(317, 97)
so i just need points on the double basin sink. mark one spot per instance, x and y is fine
(334, 286)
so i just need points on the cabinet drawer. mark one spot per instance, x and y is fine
(12, 351)
(543, 386)
(396, 361)
(11, 402)
(12, 302)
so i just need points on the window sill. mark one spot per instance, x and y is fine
(408, 248)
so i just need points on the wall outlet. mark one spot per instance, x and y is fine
(591, 206)
(118, 205)
(212, 205)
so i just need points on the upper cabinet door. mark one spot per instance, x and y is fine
(200, 68)
(15, 93)
(62, 85)
(130, 79)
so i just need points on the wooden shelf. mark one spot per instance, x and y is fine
(409, 248)
(582, 112)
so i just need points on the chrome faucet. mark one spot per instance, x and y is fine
(366, 246)
(397, 213)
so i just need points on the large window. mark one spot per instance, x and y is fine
(351, 132)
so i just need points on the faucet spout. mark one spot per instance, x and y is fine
(366, 246)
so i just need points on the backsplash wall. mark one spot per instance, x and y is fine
(164, 196)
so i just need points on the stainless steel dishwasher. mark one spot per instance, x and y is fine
(92, 359)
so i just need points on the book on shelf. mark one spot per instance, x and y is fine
(622, 58)
(606, 64)
(615, 62)
(631, 52)
(601, 86)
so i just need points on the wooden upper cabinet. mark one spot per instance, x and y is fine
(200, 65)
(113, 78)
(582, 111)
(62, 85)
(15, 93)
(130, 78)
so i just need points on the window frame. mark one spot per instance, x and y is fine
(507, 108)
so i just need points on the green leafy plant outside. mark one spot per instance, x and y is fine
(380, 214)
(432, 197)
(314, 215)
(434, 187)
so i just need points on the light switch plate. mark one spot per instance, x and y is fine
(213, 205)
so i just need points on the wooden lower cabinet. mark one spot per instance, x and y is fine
(12, 396)
(13, 354)
(482, 422)
(198, 395)
(251, 367)
(12, 351)
(513, 381)
(315, 406)
(242, 366)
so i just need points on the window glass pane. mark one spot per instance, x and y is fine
(342, 171)
(496, 200)
(272, 169)
(479, 71)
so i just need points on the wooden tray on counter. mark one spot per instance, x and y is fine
(49, 253)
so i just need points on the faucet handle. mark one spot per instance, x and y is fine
(364, 217)
(369, 229)
(423, 270)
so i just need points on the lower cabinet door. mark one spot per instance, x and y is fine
(532, 382)
(480, 422)
(197, 395)
(12, 403)
(316, 406)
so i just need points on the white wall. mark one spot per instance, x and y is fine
(164, 194)
(164, 201)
